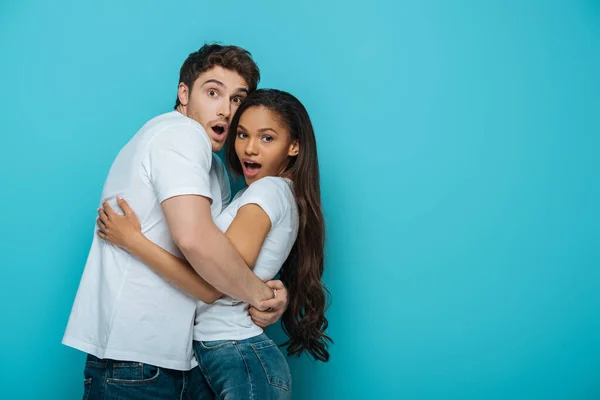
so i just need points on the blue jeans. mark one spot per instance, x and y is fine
(245, 369)
(123, 380)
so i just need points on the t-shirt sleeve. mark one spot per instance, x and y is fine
(179, 162)
(270, 194)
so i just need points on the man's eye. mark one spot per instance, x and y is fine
(237, 100)
(212, 93)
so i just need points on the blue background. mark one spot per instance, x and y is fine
(458, 143)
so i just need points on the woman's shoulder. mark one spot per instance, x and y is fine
(273, 194)
(270, 185)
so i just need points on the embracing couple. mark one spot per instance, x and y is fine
(178, 282)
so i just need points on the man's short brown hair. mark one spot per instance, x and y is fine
(211, 55)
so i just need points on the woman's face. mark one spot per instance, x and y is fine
(263, 145)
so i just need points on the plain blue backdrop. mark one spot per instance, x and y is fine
(458, 142)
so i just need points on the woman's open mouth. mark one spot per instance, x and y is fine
(251, 168)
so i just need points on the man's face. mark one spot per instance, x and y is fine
(212, 101)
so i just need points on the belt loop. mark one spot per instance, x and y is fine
(109, 368)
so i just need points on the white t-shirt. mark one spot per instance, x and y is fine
(123, 309)
(228, 318)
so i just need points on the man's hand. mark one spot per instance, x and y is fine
(275, 307)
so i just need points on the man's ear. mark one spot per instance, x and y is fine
(183, 94)
(294, 149)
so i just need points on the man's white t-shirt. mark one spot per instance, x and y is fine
(123, 310)
(228, 318)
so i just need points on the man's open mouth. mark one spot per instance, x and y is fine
(219, 130)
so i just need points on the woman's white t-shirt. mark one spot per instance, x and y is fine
(228, 318)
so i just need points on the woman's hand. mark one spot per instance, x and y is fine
(121, 230)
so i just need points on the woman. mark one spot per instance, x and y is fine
(276, 223)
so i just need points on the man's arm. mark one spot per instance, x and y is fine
(210, 252)
(276, 307)
(178, 164)
(125, 231)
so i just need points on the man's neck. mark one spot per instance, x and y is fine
(181, 110)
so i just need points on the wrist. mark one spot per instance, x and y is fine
(265, 293)
(136, 243)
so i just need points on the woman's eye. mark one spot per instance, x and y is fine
(242, 135)
(267, 139)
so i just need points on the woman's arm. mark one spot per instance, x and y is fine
(125, 231)
(247, 233)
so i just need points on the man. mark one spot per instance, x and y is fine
(135, 326)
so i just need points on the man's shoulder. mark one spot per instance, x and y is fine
(172, 122)
(177, 130)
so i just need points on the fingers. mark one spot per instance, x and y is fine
(124, 206)
(101, 234)
(109, 210)
(278, 285)
(278, 303)
(262, 318)
(102, 220)
(102, 215)
(101, 224)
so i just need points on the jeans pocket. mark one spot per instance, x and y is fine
(94, 370)
(87, 385)
(214, 344)
(133, 373)
(274, 364)
(94, 362)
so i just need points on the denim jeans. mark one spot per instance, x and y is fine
(123, 380)
(250, 369)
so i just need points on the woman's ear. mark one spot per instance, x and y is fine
(294, 149)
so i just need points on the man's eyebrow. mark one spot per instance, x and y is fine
(216, 82)
(221, 84)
